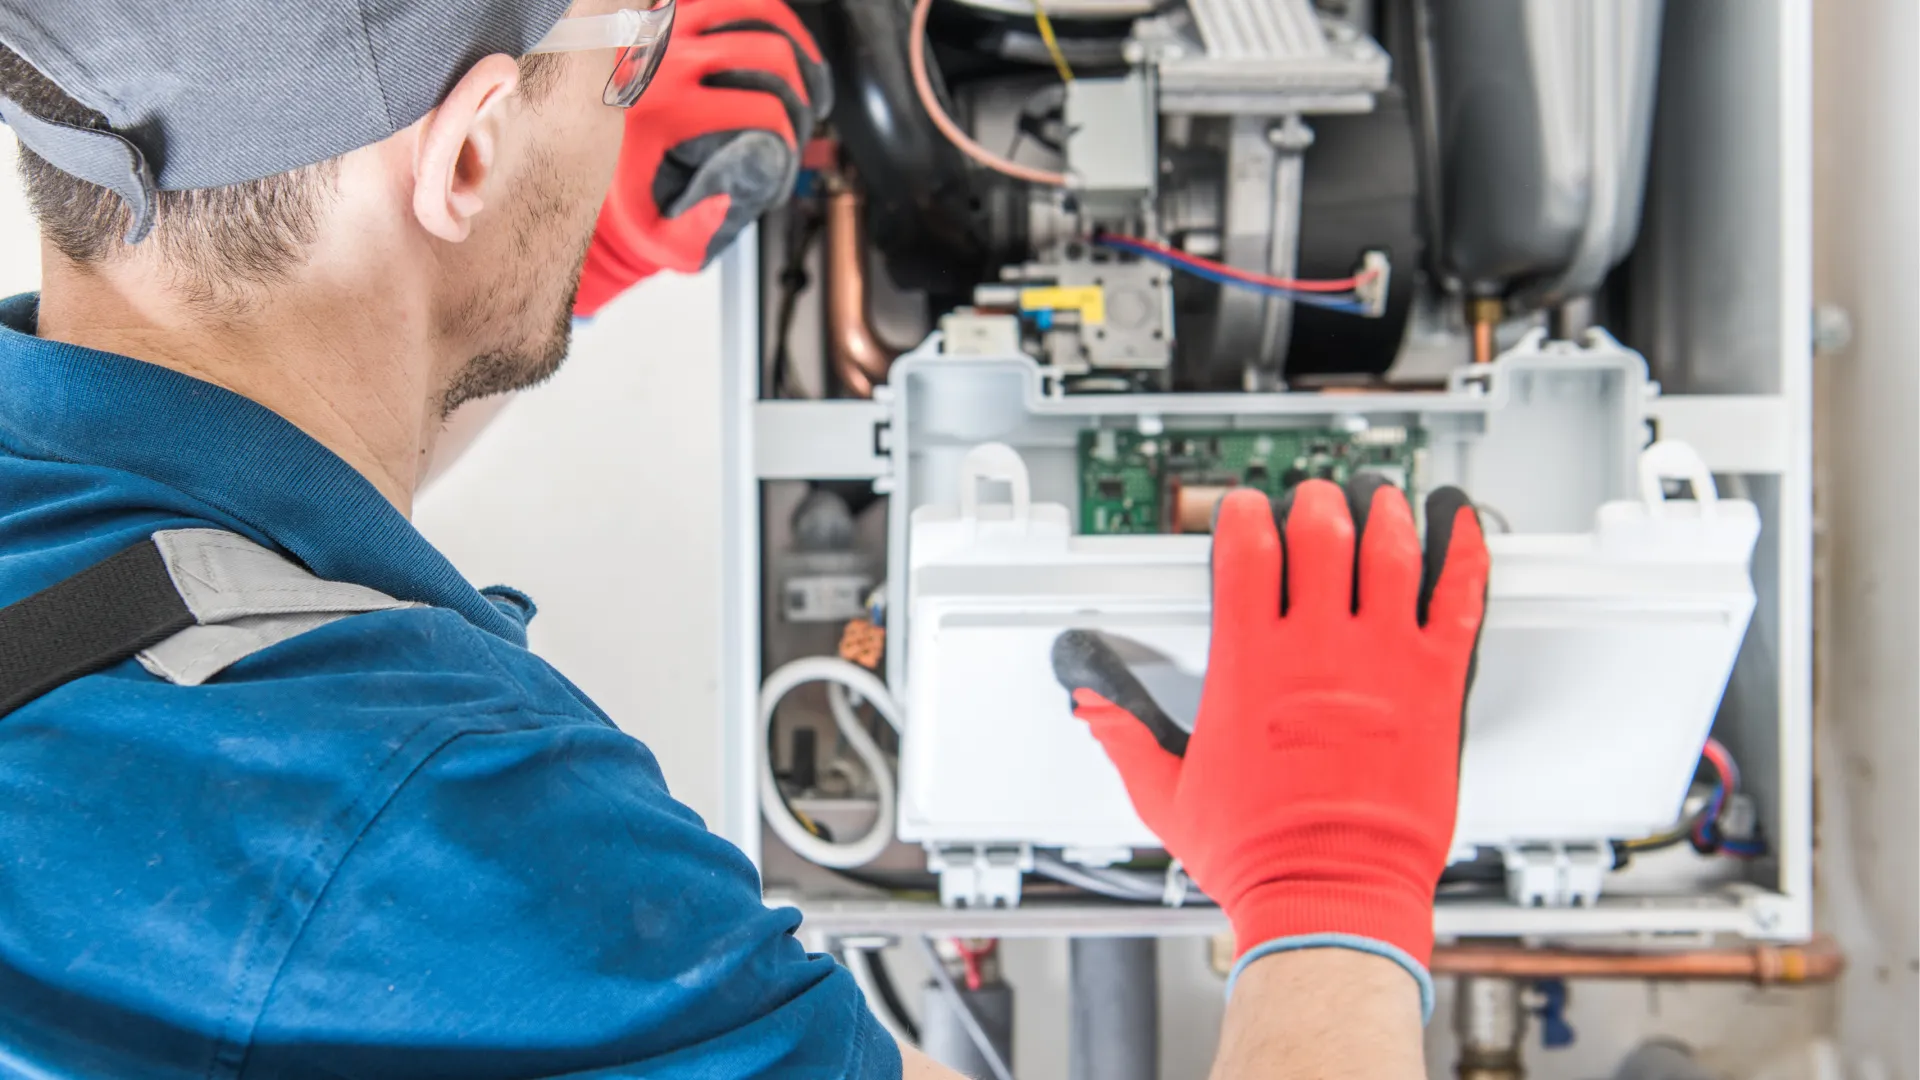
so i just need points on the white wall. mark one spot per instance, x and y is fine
(19, 242)
(598, 495)
(1867, 260)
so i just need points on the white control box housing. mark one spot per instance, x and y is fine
(1602, 662)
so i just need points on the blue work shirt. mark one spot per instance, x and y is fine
(400, 845)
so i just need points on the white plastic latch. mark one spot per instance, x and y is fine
(1671, 459)
(1096, 856)
(980, 875)
(1555, 874)
(995, 462)
(1179, 887)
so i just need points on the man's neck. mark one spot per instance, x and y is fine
(351, 366)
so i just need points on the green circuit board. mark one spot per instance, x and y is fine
(1136, 483)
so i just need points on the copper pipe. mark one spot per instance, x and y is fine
(860, 358)
(1818, 961)
(1484, 313)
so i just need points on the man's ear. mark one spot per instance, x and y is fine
(459, 148)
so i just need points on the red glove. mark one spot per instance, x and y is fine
(713, 144)
(1315, 799)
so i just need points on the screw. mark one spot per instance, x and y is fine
(1832, 328)
(1290, 135)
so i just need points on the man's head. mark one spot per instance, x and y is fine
(460, 201)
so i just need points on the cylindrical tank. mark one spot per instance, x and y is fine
(1537, 130)
(1113, 1032)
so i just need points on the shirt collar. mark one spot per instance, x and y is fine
(66, 403)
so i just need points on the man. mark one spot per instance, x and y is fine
(285, 796)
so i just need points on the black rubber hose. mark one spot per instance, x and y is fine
(918, 189)
(889, 994)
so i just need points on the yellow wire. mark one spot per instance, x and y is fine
(1053, 43)
(1659, 840)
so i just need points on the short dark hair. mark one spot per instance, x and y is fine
(246, 233)
(250, 233)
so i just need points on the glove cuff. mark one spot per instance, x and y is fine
(1400, 916)
(1342, 941)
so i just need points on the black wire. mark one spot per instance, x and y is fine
(891, 881)
(801, 236)
(1028, 125)
(1035, 128)
(889, 994)
(1485, 868)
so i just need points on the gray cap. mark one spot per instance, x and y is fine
(204, 93)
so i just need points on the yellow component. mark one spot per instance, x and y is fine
(1052, 43)
(1089, 300)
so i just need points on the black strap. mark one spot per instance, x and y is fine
(98, 617)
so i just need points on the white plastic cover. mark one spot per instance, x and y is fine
(1601, 666)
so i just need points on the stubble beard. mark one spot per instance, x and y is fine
(536, 356)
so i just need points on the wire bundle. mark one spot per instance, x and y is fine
(1703, 829)
(1334, 294)
(1705, 833)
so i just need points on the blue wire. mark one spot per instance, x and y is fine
(1706, 834)
(1703, 832)
(1318, 300)
(1708, 831)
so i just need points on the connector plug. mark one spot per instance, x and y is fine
(1376, 270)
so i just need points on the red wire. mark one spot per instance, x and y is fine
(1722, 762)
(1729, 773)
(970, 960)
(1346, 284)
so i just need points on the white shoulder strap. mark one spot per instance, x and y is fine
(244, 598)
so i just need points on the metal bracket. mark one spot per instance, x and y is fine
(1261, 232)
(822, 440)
(1259, 58)
(980, 875)
(1555, 874)
(1735, 433)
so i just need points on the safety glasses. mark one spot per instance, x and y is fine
(640, 34)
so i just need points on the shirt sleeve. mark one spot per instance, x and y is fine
(534, 903)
